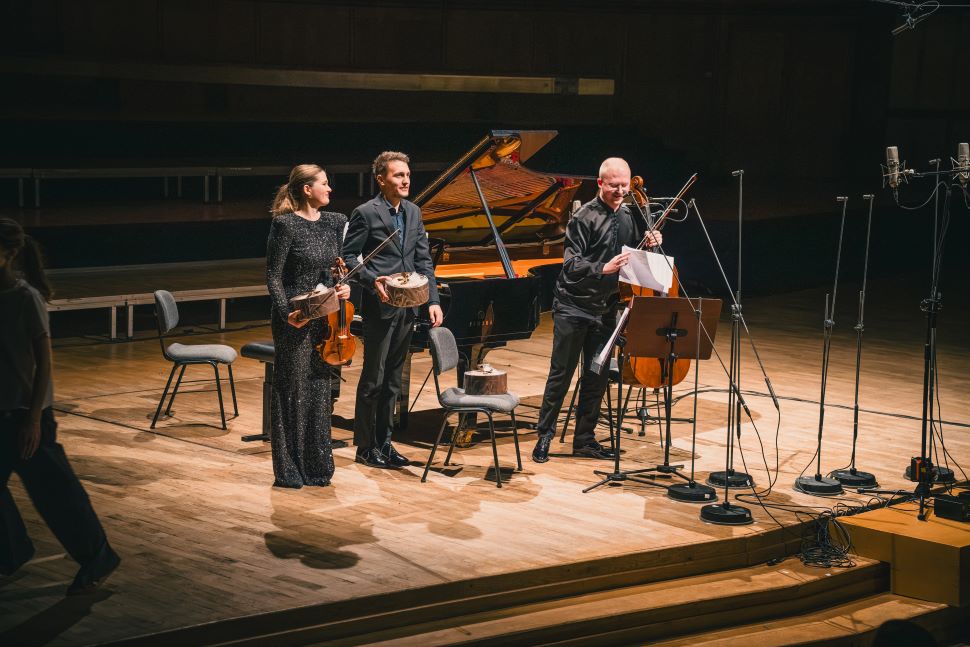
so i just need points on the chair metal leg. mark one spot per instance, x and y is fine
(161, 401)
(515, 437)
(498, 470)
(222, 408)
(178, 383)
(451, 446)
(232, 388)
(434, 447)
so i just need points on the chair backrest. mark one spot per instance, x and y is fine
(444, 350)
(166, 312)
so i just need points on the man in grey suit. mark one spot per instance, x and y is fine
(387, 329)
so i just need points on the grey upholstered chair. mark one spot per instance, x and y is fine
(182, 355)
(444, 357)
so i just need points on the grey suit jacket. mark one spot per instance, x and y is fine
(371, 223)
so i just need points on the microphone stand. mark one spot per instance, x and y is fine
(819, 485)
(730, 477)
(921, 468)
(725, 512)
(852, 477)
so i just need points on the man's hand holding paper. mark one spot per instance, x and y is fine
(647, 269)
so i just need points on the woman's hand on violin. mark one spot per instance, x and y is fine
(297, 320)
(614, 264)
(654, 238)
(343, 291)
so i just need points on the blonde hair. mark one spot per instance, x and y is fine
(289, 197)
(381, 161)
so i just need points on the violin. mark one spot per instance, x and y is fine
(651, 372)
(339, 347)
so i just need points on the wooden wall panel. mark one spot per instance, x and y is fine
(215, 31)
(126, 29)
(489, 42)
(715, 89)
(753, 110)
(572, 44)
(31, 27)
(818, 101)
(940, 68)
(304, 35)
(907, 61)
(398, 39)
(668, 81)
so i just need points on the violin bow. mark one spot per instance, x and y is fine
(660, 219)
(367, 258)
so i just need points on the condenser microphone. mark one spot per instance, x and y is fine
(892, 166)
(962, 163)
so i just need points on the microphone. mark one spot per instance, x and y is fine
(961, 165)
(576, 206)
(892, 166)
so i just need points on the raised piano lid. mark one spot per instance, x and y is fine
(528, 207)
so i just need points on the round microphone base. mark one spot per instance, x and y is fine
(853, 478)
(725, 514)
(731, 478)
(818, 486)
(691, 493)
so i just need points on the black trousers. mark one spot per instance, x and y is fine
(386, 343)
(55, 491)
(571, 338)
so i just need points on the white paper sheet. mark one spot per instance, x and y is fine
(648, 270)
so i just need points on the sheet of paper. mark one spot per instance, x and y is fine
(648, 270)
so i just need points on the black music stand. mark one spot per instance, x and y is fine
(656, 323)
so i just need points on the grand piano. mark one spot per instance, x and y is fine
(496, 227)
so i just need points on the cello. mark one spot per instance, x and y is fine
(651, 372)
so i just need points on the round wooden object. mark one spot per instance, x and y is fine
(491, 382)
(316, 303)
(407, 289)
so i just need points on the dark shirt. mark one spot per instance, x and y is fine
(594, 235)
(397, 217)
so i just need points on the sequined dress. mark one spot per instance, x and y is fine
(299, 255)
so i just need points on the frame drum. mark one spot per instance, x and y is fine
(407, 289)
(316, 303)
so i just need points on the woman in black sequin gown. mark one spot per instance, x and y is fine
(304, 242)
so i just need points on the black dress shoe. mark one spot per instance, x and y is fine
(392, 458)
(371, 458)
(92, 575)
(541, 452)
(593, 450)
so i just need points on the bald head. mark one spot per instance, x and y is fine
(614, 165)
(614, 181)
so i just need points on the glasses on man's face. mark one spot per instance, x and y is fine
(615, 186)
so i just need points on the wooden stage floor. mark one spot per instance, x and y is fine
(204, 536)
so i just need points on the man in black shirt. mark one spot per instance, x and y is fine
(585, 304)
